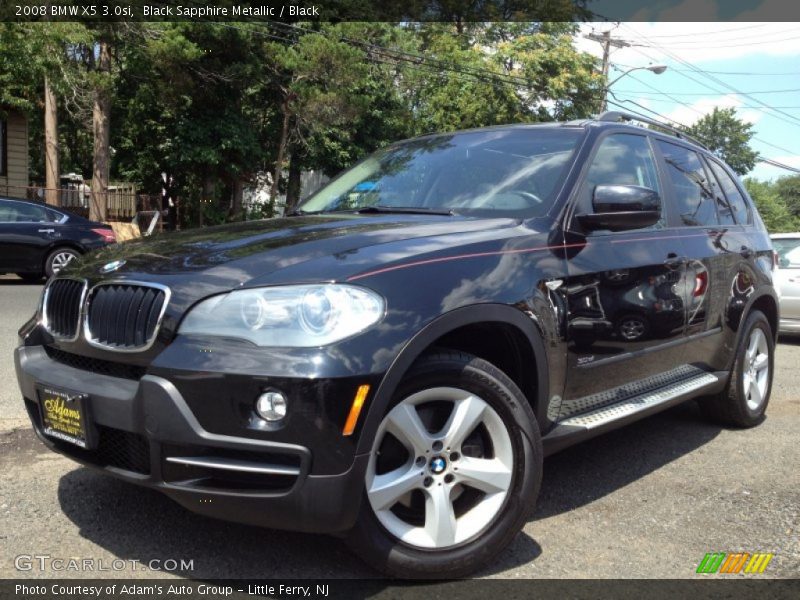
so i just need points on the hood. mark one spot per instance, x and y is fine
(238, 254)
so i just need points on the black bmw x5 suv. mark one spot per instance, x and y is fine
(392, 361)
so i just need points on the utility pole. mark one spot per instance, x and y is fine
(607, 42)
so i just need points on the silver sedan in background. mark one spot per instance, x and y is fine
(787, 245)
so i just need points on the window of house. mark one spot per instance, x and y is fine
(735, 200)
(694, 198)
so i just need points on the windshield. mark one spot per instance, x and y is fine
(511, 172)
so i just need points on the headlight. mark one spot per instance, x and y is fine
(299, 316)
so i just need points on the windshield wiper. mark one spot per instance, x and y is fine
(404, 210)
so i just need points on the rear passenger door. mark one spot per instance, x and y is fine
(626, 312)
(709, 237)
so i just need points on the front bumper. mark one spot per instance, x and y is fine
(148, 435)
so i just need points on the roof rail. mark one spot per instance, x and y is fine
(617, 115)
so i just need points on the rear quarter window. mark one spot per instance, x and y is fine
(736, 201)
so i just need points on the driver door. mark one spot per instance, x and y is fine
(625, 303)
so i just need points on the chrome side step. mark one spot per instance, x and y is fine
(594, 422)
(227, 464)
(607, 414)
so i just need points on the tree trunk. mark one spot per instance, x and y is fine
(51, 169)
(273, 193)
(236, 198)
(293, 185)
(101, 125)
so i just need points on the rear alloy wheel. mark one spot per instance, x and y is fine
(58, 259)
(745, 398)
(454, 471)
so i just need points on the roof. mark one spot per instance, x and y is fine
(609, 118)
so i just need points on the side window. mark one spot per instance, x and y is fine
(621, 159)
(693, 196)
(27, 213)
(53, 216)
(736, 201)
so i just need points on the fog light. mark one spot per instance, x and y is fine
(271, 406)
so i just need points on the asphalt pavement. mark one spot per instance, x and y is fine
(646, 501)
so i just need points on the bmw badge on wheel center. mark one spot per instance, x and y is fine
(392, 361)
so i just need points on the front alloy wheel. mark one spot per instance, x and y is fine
(435, 490)
(454, 471)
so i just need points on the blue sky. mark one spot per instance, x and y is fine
(751, 63)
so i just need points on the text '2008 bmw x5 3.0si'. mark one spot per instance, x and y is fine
(393, 361)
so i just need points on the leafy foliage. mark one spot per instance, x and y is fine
(728, 137)
(773, 203)
(208, 104)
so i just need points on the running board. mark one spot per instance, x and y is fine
(227, 464)
(589, 424)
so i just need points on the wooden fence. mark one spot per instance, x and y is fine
(122, 201)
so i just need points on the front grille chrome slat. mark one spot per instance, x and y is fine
(63, 299)
(124, 316)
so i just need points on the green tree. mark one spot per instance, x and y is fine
(788, 189)
(728, 137)
(771, 206)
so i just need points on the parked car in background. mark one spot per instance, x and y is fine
(787, 279)
(38, 240)
(392, 361)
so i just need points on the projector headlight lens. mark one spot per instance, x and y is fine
(299, 316)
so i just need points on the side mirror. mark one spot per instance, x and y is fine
(622, 207)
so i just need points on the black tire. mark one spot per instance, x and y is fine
(731, 407)
(30, 277)
(370, 540)
(49, 267)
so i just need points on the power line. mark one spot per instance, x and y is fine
(760, 158)
(719, 31)
(420, 60)
(791, 118)
(705, 44)
(739, 73)
(416, 61)
(786, 91)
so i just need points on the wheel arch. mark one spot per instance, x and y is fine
(768, 304)
(452, 330)
(765, 300)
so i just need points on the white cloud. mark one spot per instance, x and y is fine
(705, 105)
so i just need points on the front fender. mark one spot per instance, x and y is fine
(482, 313)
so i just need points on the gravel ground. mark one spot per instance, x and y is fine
(645, 501)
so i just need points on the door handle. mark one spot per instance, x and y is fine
(47, 231)
(746, 252)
